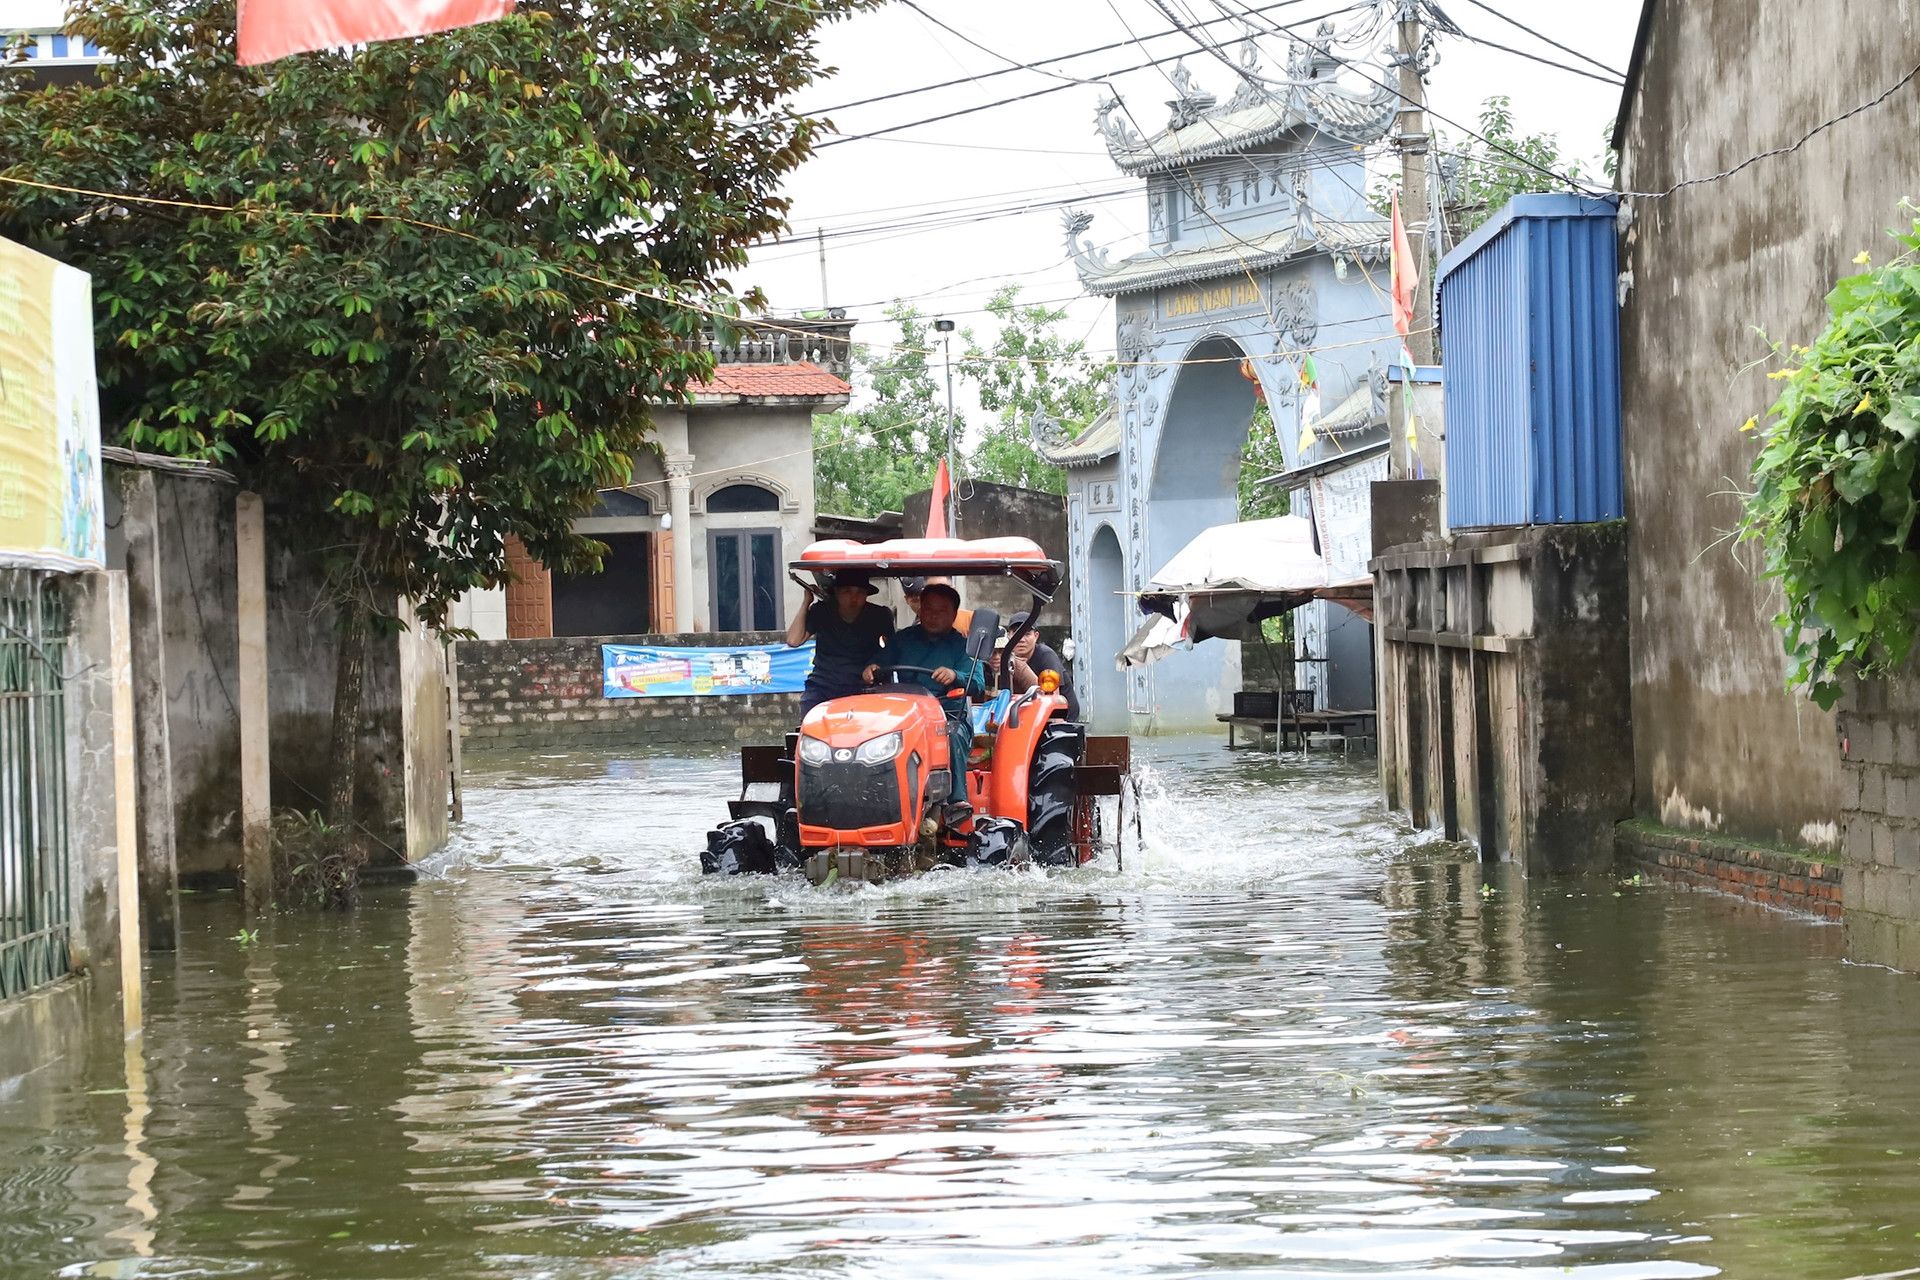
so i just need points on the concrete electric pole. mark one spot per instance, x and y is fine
(1412, 140)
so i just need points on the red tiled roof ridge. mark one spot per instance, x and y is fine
(798, 379)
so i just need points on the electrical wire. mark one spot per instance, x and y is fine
(1789, 149)
(1057, 88)
(1617, 81)
(1023, 66)
(625, 287)
(1545, 39)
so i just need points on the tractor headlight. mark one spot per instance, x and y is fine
(878, 750)
(814, 751)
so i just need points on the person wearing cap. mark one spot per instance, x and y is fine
(1029, 658)
(848, 633)
(910, 589)
(934, 644)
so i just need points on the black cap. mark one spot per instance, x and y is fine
(853, 578)
(912, 586)
(942, 589)
(1018, 619)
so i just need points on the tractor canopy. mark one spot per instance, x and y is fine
(1018, 558)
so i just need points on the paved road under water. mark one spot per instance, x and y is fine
(1286, 1041)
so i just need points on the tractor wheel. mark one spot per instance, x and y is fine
(1050, 798)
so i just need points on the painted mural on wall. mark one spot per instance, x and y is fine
(50, 495)
(1262, 250)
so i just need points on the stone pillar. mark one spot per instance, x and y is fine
(680, 507)
(159, 875)
(102, 825)
(256, 809)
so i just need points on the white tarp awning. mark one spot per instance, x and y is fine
(1231, 578)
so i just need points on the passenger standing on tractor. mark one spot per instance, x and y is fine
(848, 633)
(934, 644)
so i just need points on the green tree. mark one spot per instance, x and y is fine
(1262, 457)
(417, 293)
(1481, 176)
(1029, 368)
(867, 460)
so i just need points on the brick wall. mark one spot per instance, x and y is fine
(547, 693)
(1879, 729)
(1777, 878)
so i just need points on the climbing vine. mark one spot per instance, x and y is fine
(1834, 500)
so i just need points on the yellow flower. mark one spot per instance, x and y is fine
(1781, 373)
(1862, 258)
(1866, 403)
(1751, 424)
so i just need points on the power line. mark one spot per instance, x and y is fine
(1805, 138)
(1057, 88)
(1615, 80)
(1481, 4)
(1022, 66)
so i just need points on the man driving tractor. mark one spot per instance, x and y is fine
(935, 644)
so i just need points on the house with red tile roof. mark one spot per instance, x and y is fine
(699, 539)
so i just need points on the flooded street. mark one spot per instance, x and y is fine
(1285, 1041)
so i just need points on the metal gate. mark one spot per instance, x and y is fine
(35, 894)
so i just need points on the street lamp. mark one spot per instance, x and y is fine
(944, 328)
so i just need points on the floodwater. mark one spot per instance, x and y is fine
(1286, 1040)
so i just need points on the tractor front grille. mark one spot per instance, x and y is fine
(848, 796)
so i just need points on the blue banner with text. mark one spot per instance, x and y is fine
(647, 671)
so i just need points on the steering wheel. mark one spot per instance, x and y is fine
(924, 671)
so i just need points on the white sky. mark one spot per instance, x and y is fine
(1046, 148)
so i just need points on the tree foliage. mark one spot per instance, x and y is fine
(1478, 177)
(868, 459)
(1834, 485)
(1262, 457)
(1029, 368)
(413, 291)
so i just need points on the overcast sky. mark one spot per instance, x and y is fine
(874, 197)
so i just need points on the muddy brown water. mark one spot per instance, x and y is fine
(1287, 1040)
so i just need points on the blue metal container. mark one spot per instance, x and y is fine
(1530, 330)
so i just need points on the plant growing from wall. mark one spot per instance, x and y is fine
(1834, 500)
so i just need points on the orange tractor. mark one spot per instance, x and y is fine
(862, 791)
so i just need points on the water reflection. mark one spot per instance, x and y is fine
(1283, 1042)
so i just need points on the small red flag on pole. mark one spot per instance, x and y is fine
(1406, 274)
(273, 29)
(937, 503)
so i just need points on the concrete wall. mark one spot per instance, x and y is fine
(516, 694)
(1503, 691)
(1719, 744)
(200, 619)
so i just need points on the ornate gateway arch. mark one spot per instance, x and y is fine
(1261, 250)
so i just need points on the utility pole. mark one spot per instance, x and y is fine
(1412, 140)
(945, 328)
(820, 239)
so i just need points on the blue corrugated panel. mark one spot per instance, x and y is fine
(1530, 331)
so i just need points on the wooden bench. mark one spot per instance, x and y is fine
(1258, 710)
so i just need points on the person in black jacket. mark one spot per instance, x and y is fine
(1030, 658)
(848, 633)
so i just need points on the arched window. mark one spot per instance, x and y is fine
(618, 502)
(743, 497)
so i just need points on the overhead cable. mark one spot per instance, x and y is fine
(1545, 39)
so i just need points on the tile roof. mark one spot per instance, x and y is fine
(771, 380)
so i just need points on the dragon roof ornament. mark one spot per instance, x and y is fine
(1260, 111)
(1366, 241)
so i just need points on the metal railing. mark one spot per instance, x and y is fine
(36, 898)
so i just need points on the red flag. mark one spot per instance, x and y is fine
(1406, 275)
(272, 29)
(937, 504)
